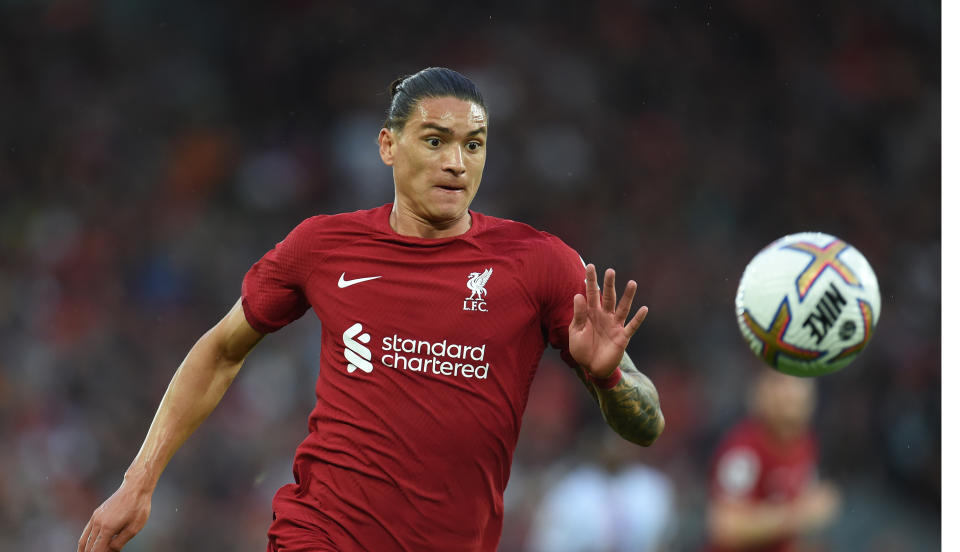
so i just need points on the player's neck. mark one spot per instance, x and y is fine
(409, 224)
(781, 435)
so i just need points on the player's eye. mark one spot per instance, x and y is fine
(474, 146)
(433, 142)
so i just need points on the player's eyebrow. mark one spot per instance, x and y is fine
(448, 131)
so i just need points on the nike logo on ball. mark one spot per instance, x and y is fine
(347, 283)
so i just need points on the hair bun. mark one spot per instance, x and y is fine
(395, 85)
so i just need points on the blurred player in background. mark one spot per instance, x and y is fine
(434, 319)
(764, 491)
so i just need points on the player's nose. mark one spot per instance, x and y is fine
(453, 161)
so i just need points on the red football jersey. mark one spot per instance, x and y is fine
(749, 465)
(428, 350)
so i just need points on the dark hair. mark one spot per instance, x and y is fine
(433, 82)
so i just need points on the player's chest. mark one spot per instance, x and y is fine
(785, 480)
(415, 286)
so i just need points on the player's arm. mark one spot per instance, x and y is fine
(599, 333)
(631, 405)
(741, 523)
(195, 390)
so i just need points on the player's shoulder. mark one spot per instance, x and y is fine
(746, 433)
(510, 234)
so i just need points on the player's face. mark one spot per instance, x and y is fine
(785, 403)
(437, 159)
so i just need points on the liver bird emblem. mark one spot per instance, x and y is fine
(476, 282)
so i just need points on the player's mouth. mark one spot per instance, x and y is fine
(450, 188)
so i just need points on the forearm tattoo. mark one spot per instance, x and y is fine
(632, 407)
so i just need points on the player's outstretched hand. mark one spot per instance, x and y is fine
(116, 521)
(598, 335)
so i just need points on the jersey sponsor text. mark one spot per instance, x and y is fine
(438, 358)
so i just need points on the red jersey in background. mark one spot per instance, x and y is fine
(750, 465)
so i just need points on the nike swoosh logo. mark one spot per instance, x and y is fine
(347, 283)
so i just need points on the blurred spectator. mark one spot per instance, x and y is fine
(611, 502)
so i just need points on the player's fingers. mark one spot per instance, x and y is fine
(623, 308)
(102, 540)
(579, 311)
(82, 543)
(96, 544)
(609, 290)
(90, 544)
(119, 541)
(592, 293)
(635, 322)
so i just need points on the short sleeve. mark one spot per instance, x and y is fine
(273, 289)
(561, 277)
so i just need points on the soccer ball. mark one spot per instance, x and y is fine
(808, 303)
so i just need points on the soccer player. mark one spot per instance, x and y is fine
(433, 321)
(764, 492)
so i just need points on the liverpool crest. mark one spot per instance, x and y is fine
(476, 283)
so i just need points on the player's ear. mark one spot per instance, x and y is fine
(388, 142)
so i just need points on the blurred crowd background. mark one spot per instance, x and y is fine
(150, 152)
